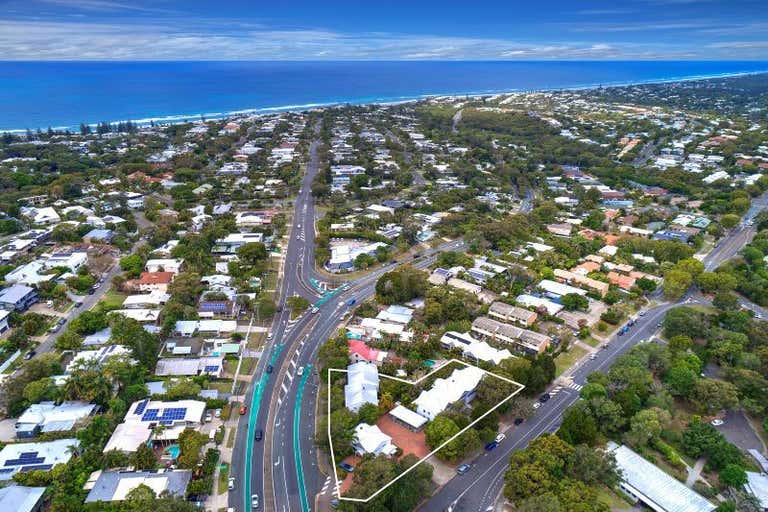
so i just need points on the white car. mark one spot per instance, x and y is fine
(502, 436)
(231, 483)
(717, 422)
(255, 501)
(536, 405)
(217, 413)
(300, 371)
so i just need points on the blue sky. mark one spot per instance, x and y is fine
(395, 30)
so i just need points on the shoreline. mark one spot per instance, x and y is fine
(171, 119)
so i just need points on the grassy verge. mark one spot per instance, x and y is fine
(612, 499)
(223, 476)
(231, 438)
(112, 299)
(592, 342)
(566, 359)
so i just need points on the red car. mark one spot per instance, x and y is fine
(243, 409)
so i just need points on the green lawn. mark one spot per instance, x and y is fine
(223, 476)
(112, 299)
(592, 342)
(566, 359)
(231, 438)
(612, 499)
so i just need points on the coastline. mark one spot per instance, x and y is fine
(171, 119)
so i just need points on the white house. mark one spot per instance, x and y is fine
(370, 439)
(362, 386)
(172, 265)
(460, 385)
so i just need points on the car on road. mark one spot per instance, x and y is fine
(536, 405)
(592, 357)
(334, 503)
(347, 467)
(490, 446)
(315, 310)
(269, 336)
(519, 421)
(543, 398)
(351, 302)
(243, 408)
(258, 435)
(300, 371)
(29, 355)
(269, 368)
(231, 483)
(499, 438)
(717, 422)
(642, 313)
(78, 304)
(255, 501)
(463, 468)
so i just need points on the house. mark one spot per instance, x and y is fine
(644, 482)
(460, 385)
(218, 309)
(563, 230)
(49, 417)
(4, 320)
(474, 349)
(370, 439)
(757, 486)
(117, 485)
(408, 418)
(19, 498)
(343, 256)
(152, 281)
(360, 352)
(190, 367)
(362, 386)
(507, 313)
(557, 290)
(103, 236)
(187, 328)
(526, 341)
(30, 274)
(624, 282)
(593, 285)
(171, 265)
(232, 242)
(97, 357)
(152, 299)
(17, 298)
(43, 216)
(142, 315)
(22, 457)
(143, 416)
(71, 260)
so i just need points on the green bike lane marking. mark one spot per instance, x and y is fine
(255, 406)
(296, 439)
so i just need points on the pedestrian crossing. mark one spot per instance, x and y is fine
(572, 385)
(575, 386)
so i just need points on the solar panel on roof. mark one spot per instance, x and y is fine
(211, 368)
(37, 467)
(150, 415)
(142, 405)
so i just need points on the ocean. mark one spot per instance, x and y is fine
(64, 94)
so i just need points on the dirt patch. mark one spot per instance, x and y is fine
(405, 439)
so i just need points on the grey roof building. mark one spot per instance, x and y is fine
(21, 499)
(17, 298)
(116, 485)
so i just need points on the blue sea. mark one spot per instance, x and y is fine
(65, 94)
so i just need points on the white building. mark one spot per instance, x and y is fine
(49, 417)
(16, 457)
(460, 385)
(370, 439)
(164, 265)
(362, 386)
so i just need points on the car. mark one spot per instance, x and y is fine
(91, 291)
(269, 368)
(351, 302)
(55, 327)
(269, 336)
(243, 408)
(592, 357)
(231, 483)
(393, 262)
(536, 405)
(315, 310)
(417, 255)
(300, 371)
(543, 398)
(347, 467)
(298, 237)
(490, 446)
(279, 309)
(345, 287)
(255, 501)
(208, 418)
(258, 435)
(29, 355)
(217, 413)
(463, 468)
(62, 321)
(717, 422)
(642, 313)
(334, 503)
(499, 438)
(621, 332)
(519, 421)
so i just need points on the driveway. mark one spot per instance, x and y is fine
(738, 431)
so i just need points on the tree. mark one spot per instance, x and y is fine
(681, 379)
(726, 301)
(729, 220)
(720, 282)
(536, 469)
(578, 427)
(439, 431)
(676, 282)
(574, 301)
(133, 264)
(647, 425)
(680, 343)
(733, 475)
(190, 443)
(143, 458)
(710, 396)
(401, 285)
(252, 253)
(593, 466)
(368, 413)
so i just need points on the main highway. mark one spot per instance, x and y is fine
(282, 467)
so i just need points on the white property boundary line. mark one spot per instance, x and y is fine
(430, 454)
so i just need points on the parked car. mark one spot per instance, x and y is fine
(347, 467)
(502, 436)
(519, 421)
(208, 417)
(29, 355)
(243, 408)
(259, 435)
(536, 405)
(543, 398)
(463, 468)
(255, 501)
(231, 483)
(717, 422)
(269, 368)
(217, 413)
(315, 310)
(490, 446)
